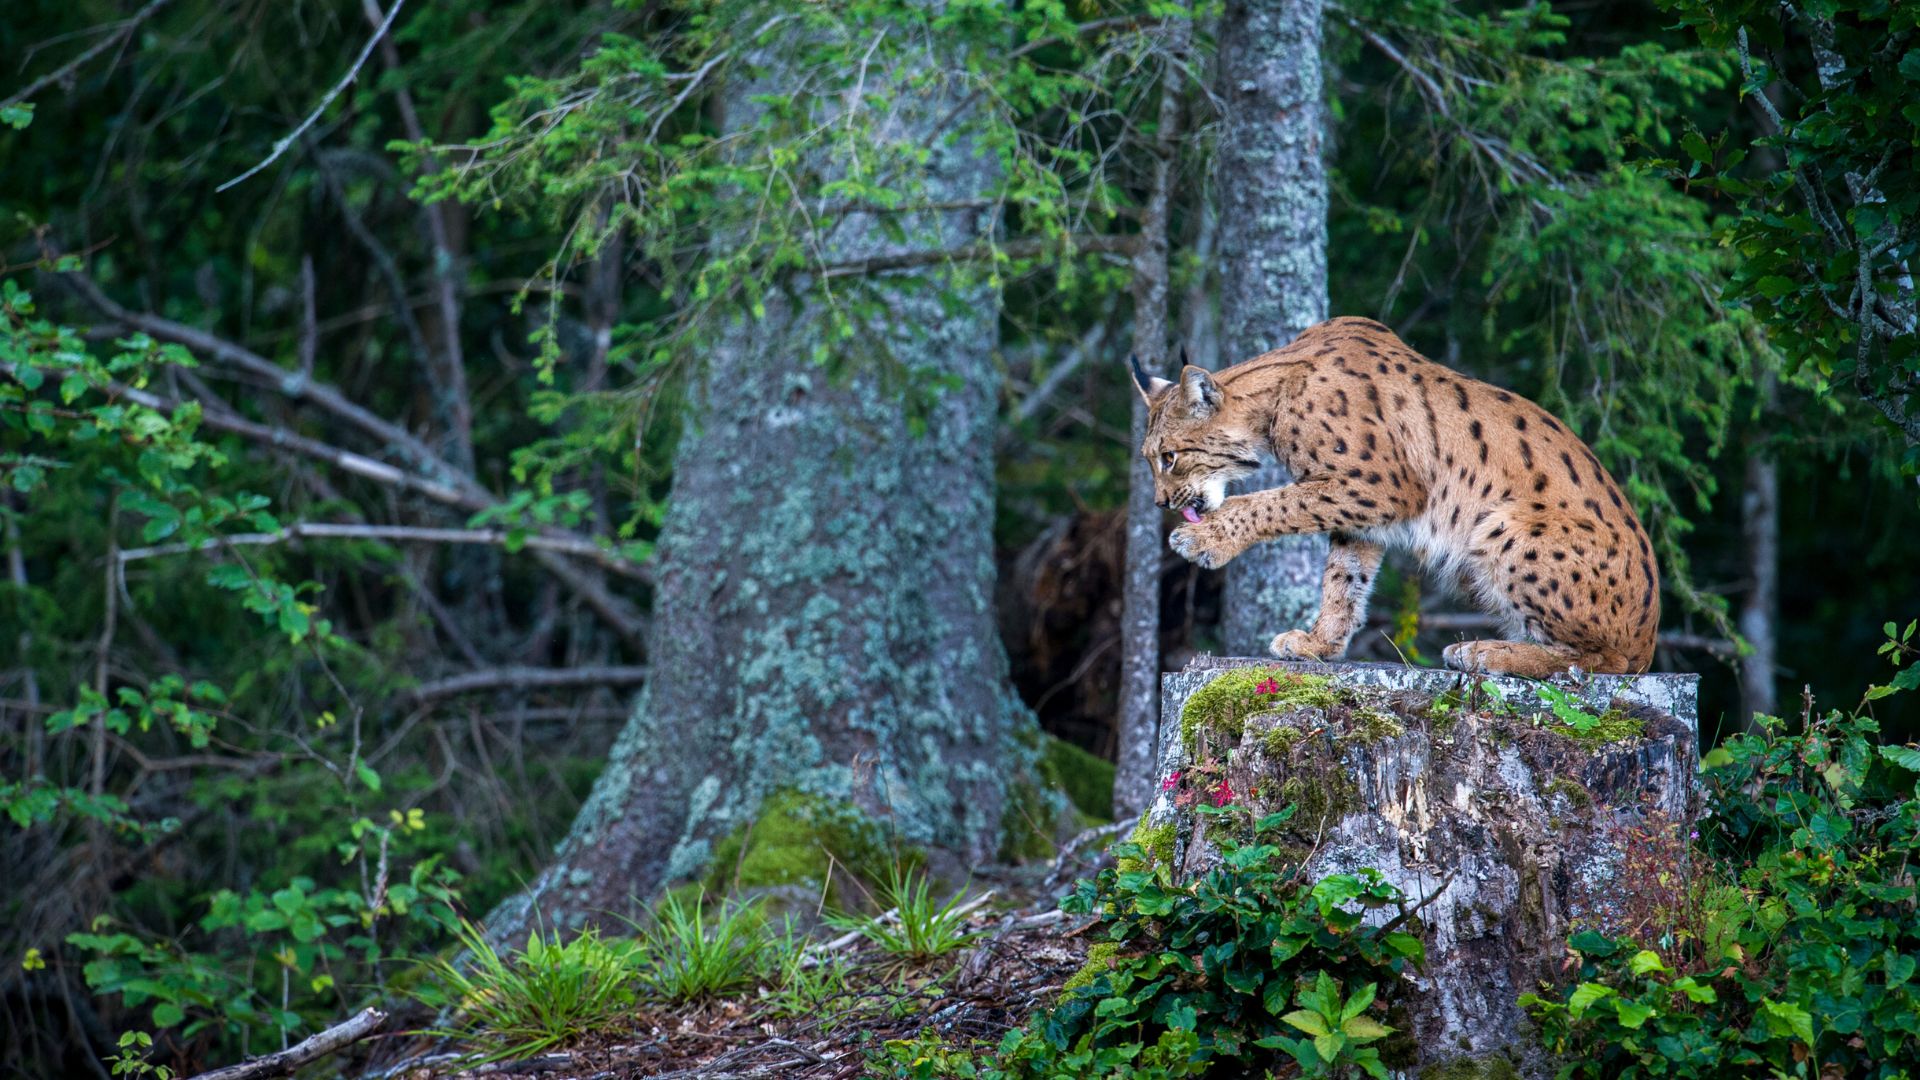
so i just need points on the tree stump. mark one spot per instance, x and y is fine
(1506, 822)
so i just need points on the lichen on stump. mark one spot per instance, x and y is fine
(1468, 793)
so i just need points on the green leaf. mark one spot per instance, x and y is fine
(1274, 996)
(1329, 1046)
(1631, 1013)
(1590, 943)
(1644, 961)
(1365, 1029)
(1308, 1021)
(1786, 1018)
(1904, 756)
(167, 1014)
(1358, 1003)
(1585, 995)
(367, 776)
(1408, 946)
(1773, 286)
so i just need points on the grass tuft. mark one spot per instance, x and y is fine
(917, 928)
(692, 953)
(536, 998)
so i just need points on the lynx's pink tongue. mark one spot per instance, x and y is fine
(1190, 514)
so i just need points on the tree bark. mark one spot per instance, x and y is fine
(1140, 617)
(1760, 528)
(1272, 187)
(823, 617)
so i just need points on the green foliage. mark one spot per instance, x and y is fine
(1170, 1056)
(1337, 1031)
(915, 927)
(1517, 226)
(1225, 972)
(1809, 966)
(315, 937)
(545, 995)
(1829, 209)
(799, 979)
(1609, 726)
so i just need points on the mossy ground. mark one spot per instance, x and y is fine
(1614, 725)
(1086, 779)
(1494, 1067)
(1099, 958)
(1156, 841)
(1221, 707)
(798, 840)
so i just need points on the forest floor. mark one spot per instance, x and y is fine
(1025, 951)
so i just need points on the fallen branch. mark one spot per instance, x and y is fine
(311, 1049)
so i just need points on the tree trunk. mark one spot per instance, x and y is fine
(1140, 618)
(1760, 527)
(823, 618)
(1272, 188)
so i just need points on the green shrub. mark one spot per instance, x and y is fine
(1806, 963)
(1214, 976)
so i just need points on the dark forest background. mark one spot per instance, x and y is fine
(350, 500)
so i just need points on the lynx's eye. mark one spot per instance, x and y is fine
(1166, 462)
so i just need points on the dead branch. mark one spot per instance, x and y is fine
(310, 530)
(522, 678)
(120, 34)
(313, 1048)
(292, 384)
(1100, 243)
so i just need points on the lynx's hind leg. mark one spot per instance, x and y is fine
(1522, 658)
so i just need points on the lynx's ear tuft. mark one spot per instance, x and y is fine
(1203, 394)
(1141, 382)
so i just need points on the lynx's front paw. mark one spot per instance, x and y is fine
(1300, 645)
(1205, 542)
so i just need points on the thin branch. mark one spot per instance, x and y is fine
(525, 678)
(290, 383)
(121, 33)
(570, 545)
(314, 116)
(1017, 249)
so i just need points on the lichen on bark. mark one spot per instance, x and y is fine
(1271, 184)
(822, 619)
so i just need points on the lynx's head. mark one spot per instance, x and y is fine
(1196, 442)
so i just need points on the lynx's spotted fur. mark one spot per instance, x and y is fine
(1390, 448)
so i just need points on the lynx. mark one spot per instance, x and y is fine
(1391, 449)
